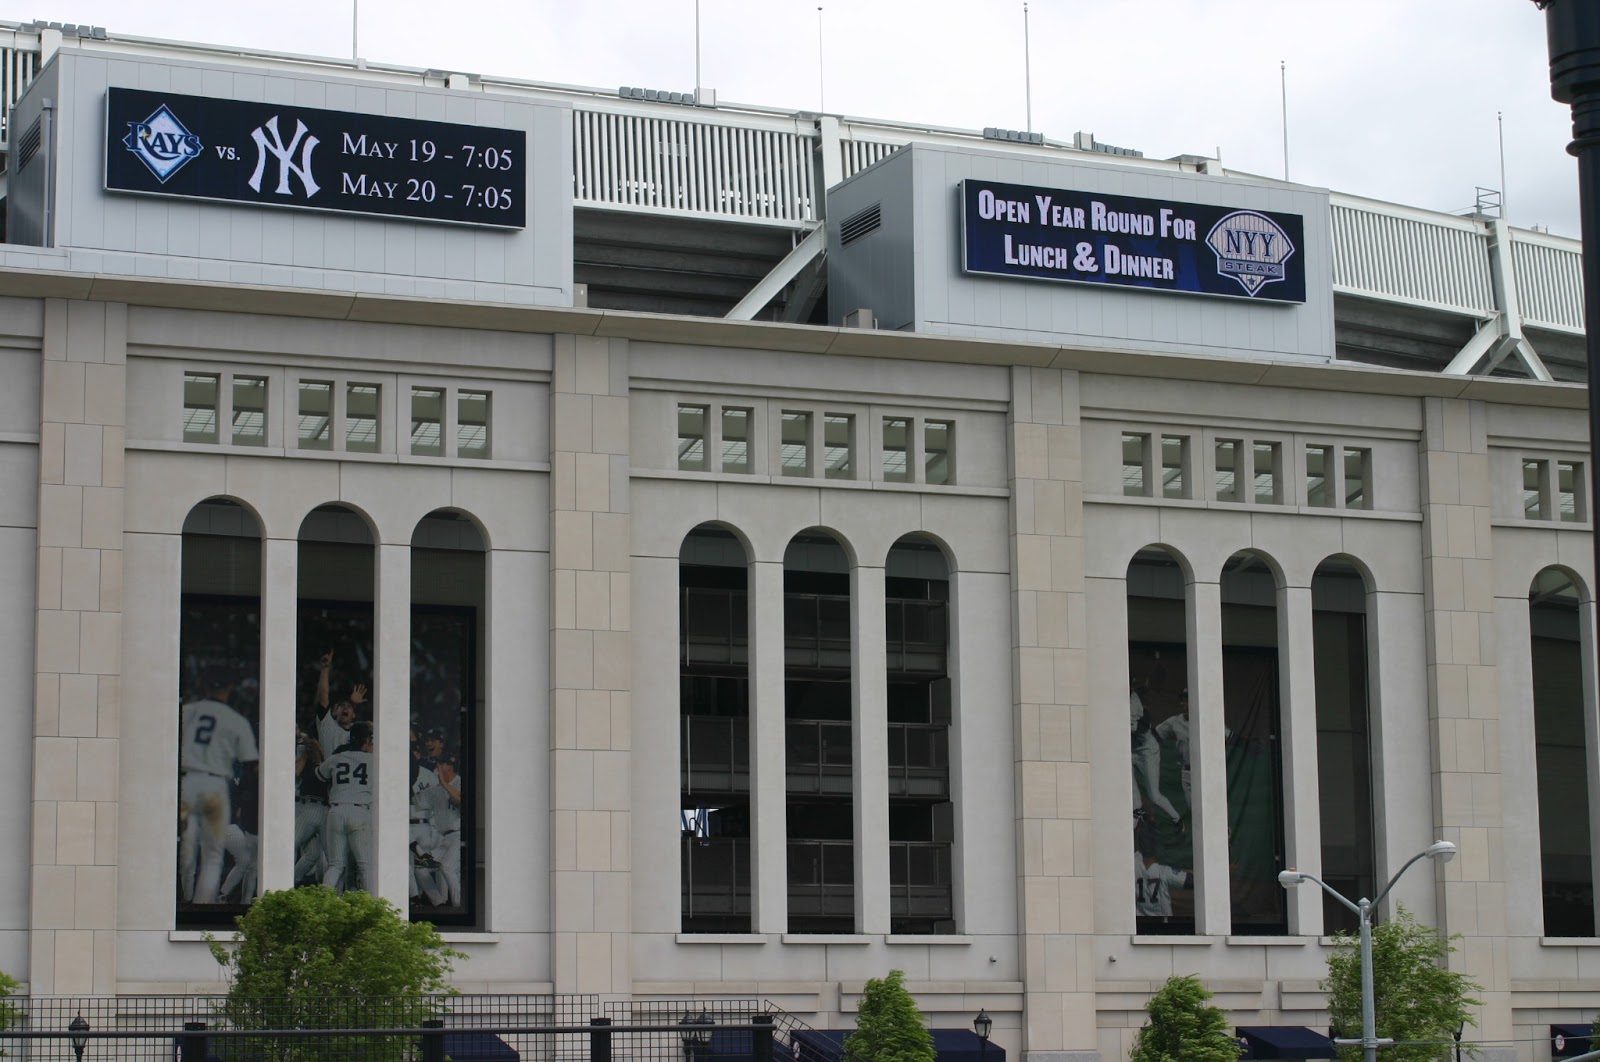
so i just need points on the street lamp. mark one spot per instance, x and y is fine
(982, 1025)
(697, 1037)
(1443, 851)
(80, 1039)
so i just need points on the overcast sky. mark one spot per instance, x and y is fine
(1392, 99)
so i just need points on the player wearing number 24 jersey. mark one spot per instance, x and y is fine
(348, 832)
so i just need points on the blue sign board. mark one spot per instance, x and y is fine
(1012, 230)
(271, 154)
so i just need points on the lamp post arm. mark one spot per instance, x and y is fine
(1331, 891)
(1397, 876)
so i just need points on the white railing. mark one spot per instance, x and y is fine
(1549, 277)
(17, 68)
(857, 155)
(1392, 253)
(681, 167)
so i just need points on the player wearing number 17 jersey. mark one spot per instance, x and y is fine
(347, 835)
(214, 738)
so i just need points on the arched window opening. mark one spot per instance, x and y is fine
(1251, 714)
(921, 808)
(1561, 748)
(714, 732)
(219, 675)
(1158, 730)
(448, 635)
(1344, 737)
(335, 780)
(817, 717)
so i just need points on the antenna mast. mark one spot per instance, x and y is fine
(1027, 66)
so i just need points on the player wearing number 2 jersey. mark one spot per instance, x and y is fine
(215, 738)
(347, 835)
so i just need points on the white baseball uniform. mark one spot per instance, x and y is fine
(1176, 730)
(1146, 761)
(213, 739)
(310, 812)
(347, 833)
(1152, 887)
(243, 847)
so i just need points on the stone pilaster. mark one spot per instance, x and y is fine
(1463, 701)
(590, 656)
(78, 654)
(1050, 710)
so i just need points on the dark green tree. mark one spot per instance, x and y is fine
(1415, 997)
(1183, 1027)
(889, 1027)
(311, 958)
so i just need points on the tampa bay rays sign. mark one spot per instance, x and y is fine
(1078, 237)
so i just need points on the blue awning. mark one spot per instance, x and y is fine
(1282, 1041)
(478, 1047)
(951, 1045)
(1567, 1041)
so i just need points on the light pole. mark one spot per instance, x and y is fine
(981, 1025)
(1443, 851)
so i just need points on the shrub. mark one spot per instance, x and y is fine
(1183, 1027)
(889, 1027)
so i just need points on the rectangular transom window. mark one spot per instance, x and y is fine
(472, 424)
(838, 444)
(692, 438)
(735, 440)
(1174, 466)
(316, 415)
(200, 407)
(794, 449)
(938, 442)
(1569, 487)
(1265, 468)
(1357, 478)
(249, 410)
(361, 418)
(896, 449)
(1535, 481)
(1228, 453)
(1135, 460)
(427, 421)
(1319, 476)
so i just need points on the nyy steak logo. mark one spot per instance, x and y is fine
(162, 143)
(1251, 248)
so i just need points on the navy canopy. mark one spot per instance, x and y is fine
(1282, 1041)
(1567, 1041)
(478, 1047)
(951, 1045)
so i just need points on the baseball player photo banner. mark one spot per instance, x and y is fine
(219, 653)
(1158, 728)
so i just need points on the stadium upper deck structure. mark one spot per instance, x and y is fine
(1314, 513)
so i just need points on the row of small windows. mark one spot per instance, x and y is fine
(816, 444)
(331, 417)
(1244, 470)
(1552, 490)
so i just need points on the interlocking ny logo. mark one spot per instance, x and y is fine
(162, 143)
(270, 141)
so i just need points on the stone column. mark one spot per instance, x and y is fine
(1463, 701)
(78, 650)
(869, 741)
(1050, 705)
(1302, 809)
(591, 673)
(391, 701)
(280, 611)
(769, 792)
(1208, 759)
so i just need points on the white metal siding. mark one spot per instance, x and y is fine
(1408, 259)
(1549, 282)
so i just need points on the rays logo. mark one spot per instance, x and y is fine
(1251, 248)
(162, 143)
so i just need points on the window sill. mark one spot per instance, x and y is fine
(1569, 942)
(830, 938)
(928, 938)
(198, 936)
(1261, 507)
(724, 938)
(1270, 942)
(1176, 939)
(469, 936)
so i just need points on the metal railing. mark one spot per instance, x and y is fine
(1411, 256)
(694, 1029)
(1549, 279)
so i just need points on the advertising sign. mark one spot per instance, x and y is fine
(268, 154)
(1014, 230)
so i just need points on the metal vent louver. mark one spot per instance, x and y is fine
(861, 223)
(28, 146)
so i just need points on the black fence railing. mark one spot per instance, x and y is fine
(691, 1030)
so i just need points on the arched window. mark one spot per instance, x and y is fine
(921, 808)
(1344, 749)
(219, 673)
(335, 782)
(714, 732)
(1251, 713)
(1158, 732)
(447, 656)
(817, 715)
(1561, 747)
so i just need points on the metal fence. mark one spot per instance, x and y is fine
(693, 1029)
